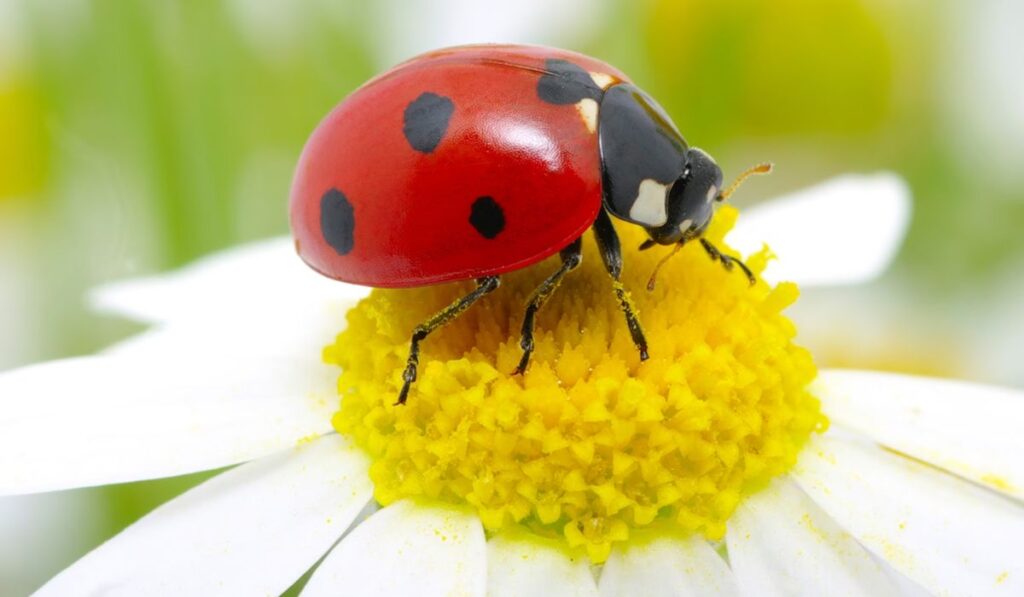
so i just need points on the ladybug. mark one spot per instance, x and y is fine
(473, 161)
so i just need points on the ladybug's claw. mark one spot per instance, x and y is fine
(750, 275)
(408, 376)
(403, 395)
(526, 343)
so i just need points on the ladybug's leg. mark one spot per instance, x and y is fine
(483, 286)
(611, 254)
(571, 257)
(727, 261)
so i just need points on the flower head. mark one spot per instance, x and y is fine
(591, 442)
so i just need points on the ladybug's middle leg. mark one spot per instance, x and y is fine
(484, 286)
(611, 254)
(571, 258)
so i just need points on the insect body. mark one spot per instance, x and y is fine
(470, 162)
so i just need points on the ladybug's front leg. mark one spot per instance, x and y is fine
(484, 286)
(727, 260)
(571, 258)
(611, 254)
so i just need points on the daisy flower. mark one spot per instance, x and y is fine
(725, 464)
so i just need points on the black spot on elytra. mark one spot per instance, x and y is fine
(638, 142)
(487, 217)
(337, 221)
(566, 83)
(426, 121)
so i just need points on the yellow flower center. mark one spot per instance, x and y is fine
(590, 444)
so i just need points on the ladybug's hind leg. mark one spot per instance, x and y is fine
(484, 286)
(611, 254)
(571, 258)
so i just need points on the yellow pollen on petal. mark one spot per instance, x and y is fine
(590, 444)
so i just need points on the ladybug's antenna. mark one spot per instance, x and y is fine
(657, 268)
(763, 168)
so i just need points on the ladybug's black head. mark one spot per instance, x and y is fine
(690, 201)
(651, 177)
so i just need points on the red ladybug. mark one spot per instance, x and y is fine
(474, 161)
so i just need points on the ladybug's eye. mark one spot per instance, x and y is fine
(686, 174)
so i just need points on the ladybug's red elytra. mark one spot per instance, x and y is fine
(470, 162)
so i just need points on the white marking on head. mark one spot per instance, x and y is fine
(649, 205)
(685, 225)
(587, 109)
(602, 80)
(712, 193)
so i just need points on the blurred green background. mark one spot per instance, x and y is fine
(136, 136)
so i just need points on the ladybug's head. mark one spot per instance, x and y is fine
(689, 203)
(651, 177)
(691, 199)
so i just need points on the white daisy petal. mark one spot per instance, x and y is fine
(407, 549)
(253, 530)
(246, 282)
(969, 429)
(520, 567)
(301, 334)
(844, 231)
(781, 543)
(950, 536)
(667, 567)
(99, 420)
